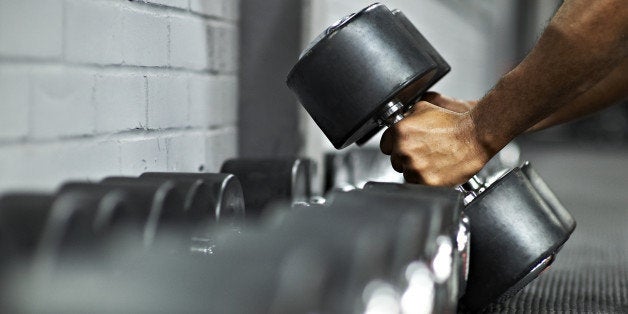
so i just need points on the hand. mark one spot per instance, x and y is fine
(450, 103)
(435, 146)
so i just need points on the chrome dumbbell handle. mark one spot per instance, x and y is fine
(393, 112)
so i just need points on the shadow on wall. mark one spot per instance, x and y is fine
(270, 44)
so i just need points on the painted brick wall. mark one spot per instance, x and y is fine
(91, 88)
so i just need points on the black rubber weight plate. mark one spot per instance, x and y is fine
(591, 272)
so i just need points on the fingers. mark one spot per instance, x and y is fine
(398, 162)
(386, 144)
(413, 177)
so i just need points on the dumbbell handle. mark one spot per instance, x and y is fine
(394, 111)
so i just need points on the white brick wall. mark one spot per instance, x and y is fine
(31, 28)
(91, 88)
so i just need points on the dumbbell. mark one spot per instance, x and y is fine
(356, 167)
(357, 254)
(23, 218)
(424, 230)
(275, 271)
(214, 197)
(267, 180)
(563, 215)
(427, 226)
(446, 204)
(381, 64)
(517, 230)
(210, 199)
(160, 203)
(251, 277)
(364, 73)
(81, 223)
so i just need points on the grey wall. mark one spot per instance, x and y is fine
(90, 89)
(270, 44)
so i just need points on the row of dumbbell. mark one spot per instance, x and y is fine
(358, 240)
(390, 231)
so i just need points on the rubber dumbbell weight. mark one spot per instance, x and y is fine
(23, 218)
(81, 222)
(447, 205)
(421, 232)
(211, 199)
(515, 236)
(377, 70)
(426, 229)
(251, 277)
(161, 204)
(267, 180)
(364, 73)
(215, 197)
(361, 252)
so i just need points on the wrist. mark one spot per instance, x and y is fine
(497, 118)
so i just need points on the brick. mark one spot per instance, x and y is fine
(220, 146)
(142, 155)
(231, 9)
(229, 88)
(225, 49)
(62, 102)
(201, 88)
(93, 32)
(186, 152)
(32, 28)
(181, 4)
(120, 101)
(189, 43)
(46, 165)
(14, 104)
(86, 159)
(213, 100)
(167, 101)
(145, 38)
(223, 9)
(207, 7)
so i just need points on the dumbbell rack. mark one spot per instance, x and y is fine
(148, 240)
(182, 242)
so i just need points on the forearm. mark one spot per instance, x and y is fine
(610, 90)
(583, 43)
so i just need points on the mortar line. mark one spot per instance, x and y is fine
(126, 135)
(29, 61)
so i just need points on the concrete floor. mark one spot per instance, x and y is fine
(590, 274)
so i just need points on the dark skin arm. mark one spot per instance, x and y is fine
(610, 90)
(583, 44)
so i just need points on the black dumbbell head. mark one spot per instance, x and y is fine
(515, 235)
(23, 218)
(266, 180)
(347, 75)
(563, 215)
(217, 196)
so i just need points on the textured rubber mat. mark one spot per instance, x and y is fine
(590, 274)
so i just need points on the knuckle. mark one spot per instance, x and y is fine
(435, 180)
(403, 128)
